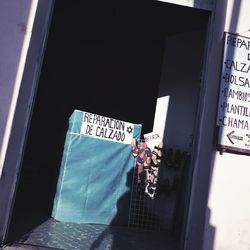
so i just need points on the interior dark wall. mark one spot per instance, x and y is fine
(103, 58)
(95, 65)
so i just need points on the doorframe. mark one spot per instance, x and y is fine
(22, 114)
(197, 207)
(195, 154)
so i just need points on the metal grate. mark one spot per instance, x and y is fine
(143, 209)
(143, 204)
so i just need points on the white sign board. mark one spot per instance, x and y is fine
(106, 128)
(233, 117)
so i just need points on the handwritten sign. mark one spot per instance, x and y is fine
(106, 128)
(233, 116)
(152, 139)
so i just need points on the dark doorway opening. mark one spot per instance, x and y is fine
(104, 58)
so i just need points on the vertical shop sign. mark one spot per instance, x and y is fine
(233, 115)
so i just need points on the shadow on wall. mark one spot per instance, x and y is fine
(181, 81)
(210, 232)
(199, 229)
(117, 237)
(122, 212)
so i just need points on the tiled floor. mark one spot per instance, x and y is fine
(70, 236)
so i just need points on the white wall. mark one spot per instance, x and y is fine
(228, 212)
(201, 4)
(23, 28)
(16, 20)
(229, 203)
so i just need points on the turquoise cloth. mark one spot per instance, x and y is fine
(95, 175)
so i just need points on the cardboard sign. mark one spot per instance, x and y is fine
(106, 128)
(152, 139)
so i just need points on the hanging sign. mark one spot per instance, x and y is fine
(233, 115)
(106, 128)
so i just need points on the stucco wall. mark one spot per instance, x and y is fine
(15, 29)
(23, 28)
(228, 210)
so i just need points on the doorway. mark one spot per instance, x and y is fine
(114, 60)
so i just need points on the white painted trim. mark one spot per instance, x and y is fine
(161, 112)
(197, 142)
(199, 4)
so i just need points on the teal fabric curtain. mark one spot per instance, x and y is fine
(96, 169)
